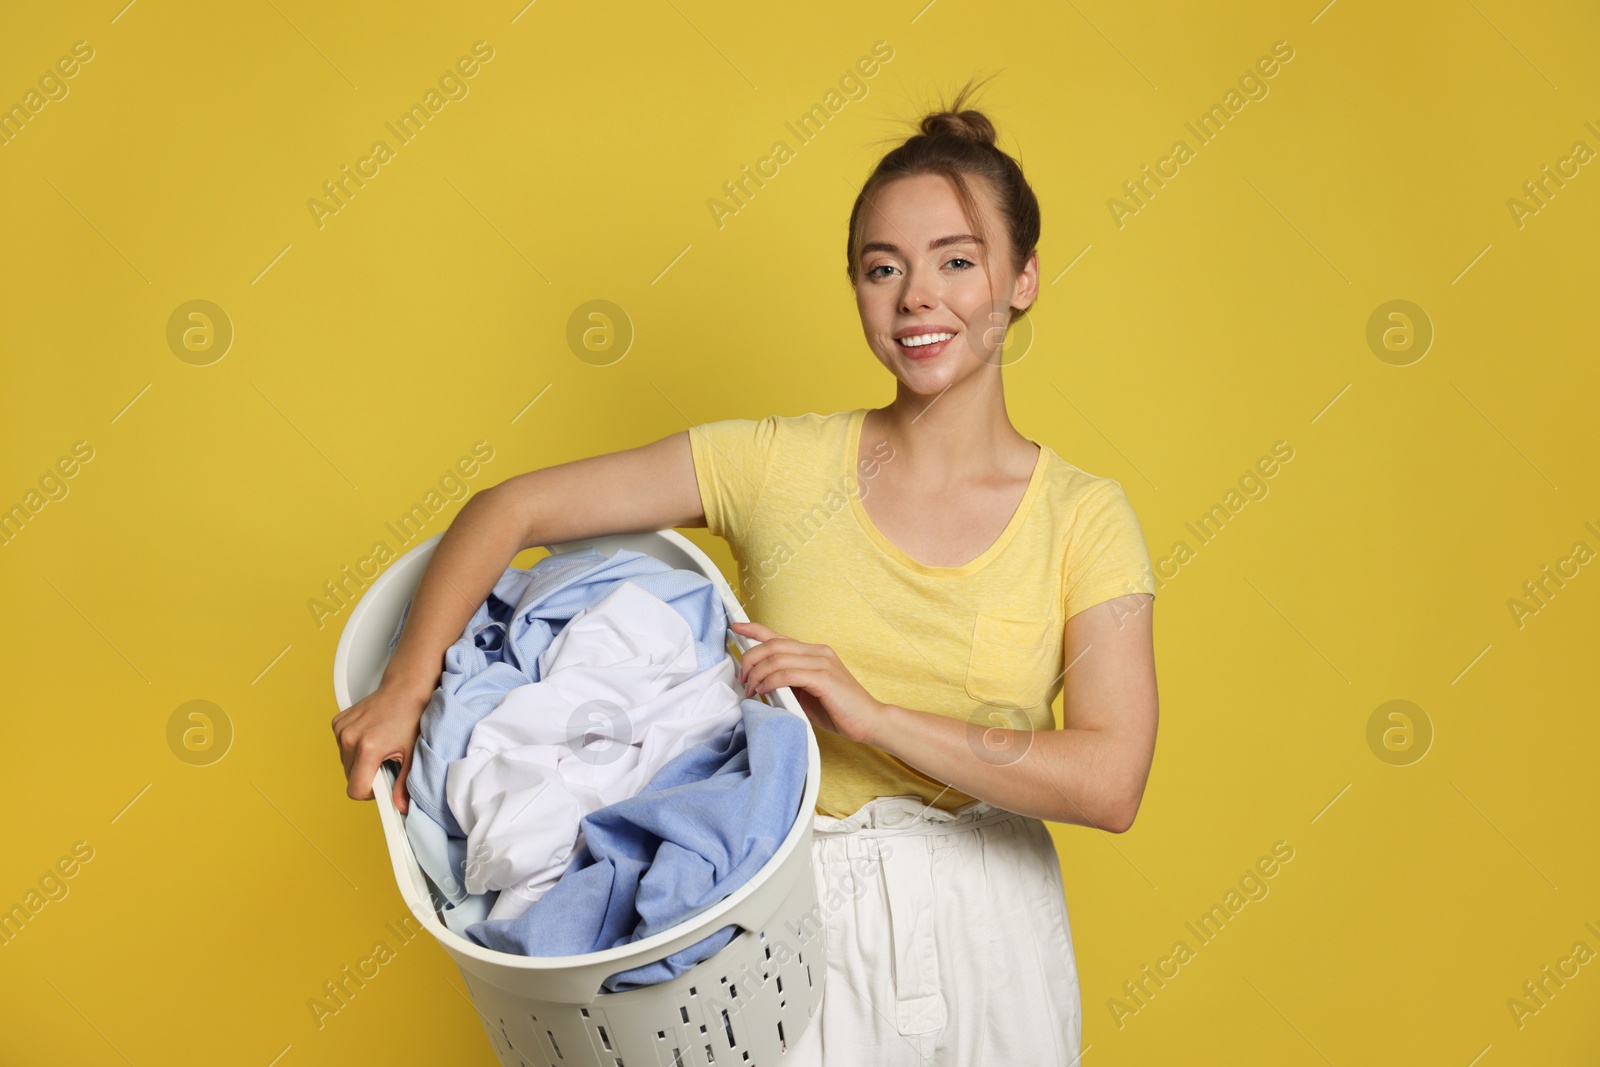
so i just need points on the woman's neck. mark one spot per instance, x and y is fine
(951, 437)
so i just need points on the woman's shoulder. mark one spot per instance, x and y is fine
(1073, 489)
(808, 432)
(809, 427)
(820, 420)
(810, 420)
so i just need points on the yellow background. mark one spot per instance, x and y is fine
(1228, 314)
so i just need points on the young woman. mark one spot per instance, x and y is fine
(926, 580)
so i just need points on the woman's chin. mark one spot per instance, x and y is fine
(929, 382)
(926, 378)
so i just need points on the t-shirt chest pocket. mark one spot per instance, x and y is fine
(1014, 660)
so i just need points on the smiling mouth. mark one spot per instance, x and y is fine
(924, 345)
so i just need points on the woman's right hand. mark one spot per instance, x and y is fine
(382, 726)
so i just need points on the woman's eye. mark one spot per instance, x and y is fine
(873, 273)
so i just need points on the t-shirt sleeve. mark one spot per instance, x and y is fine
(1106, 555)
(732, 459)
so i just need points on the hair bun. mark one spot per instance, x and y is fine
(967, 124)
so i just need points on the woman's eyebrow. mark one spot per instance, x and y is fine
(938, 242)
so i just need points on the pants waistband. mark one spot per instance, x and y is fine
(902, 815)
(919, 1009)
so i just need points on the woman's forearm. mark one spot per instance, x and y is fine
(651, 487)
(474, 552)
(1067, 775)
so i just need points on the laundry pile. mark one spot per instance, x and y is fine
(588, 772)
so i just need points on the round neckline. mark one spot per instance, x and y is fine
(858, 419)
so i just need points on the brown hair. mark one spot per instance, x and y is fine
(958, 142)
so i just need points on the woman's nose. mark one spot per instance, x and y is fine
(917, 296)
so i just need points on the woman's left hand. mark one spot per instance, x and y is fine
(830, 695)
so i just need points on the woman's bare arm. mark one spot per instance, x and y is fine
(651, 487)
(1092, 771)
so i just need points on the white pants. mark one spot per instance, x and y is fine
(947, 938)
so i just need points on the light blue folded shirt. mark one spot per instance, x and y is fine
(704, 825)
(498, 651)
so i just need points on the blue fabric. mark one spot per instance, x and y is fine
(499, 648)
(703, 826)
(443, 858)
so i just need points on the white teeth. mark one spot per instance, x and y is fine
(925, 339)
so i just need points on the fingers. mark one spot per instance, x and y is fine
(349, 728)
(347, 754)
(377, 781)
(772, 646)
(358, 792)
(756, 673)
(761, 675)
(752, 657)
(402, 797)
(363, 770)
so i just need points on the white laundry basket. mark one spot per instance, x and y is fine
(743, 1006)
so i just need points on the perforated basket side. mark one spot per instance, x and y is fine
(745, 1005)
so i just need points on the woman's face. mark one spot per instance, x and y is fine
(922, 273)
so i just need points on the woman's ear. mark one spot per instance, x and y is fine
(1027, 284)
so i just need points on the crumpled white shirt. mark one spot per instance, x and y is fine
(618, 698)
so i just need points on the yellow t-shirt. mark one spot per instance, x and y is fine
(981, 642)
